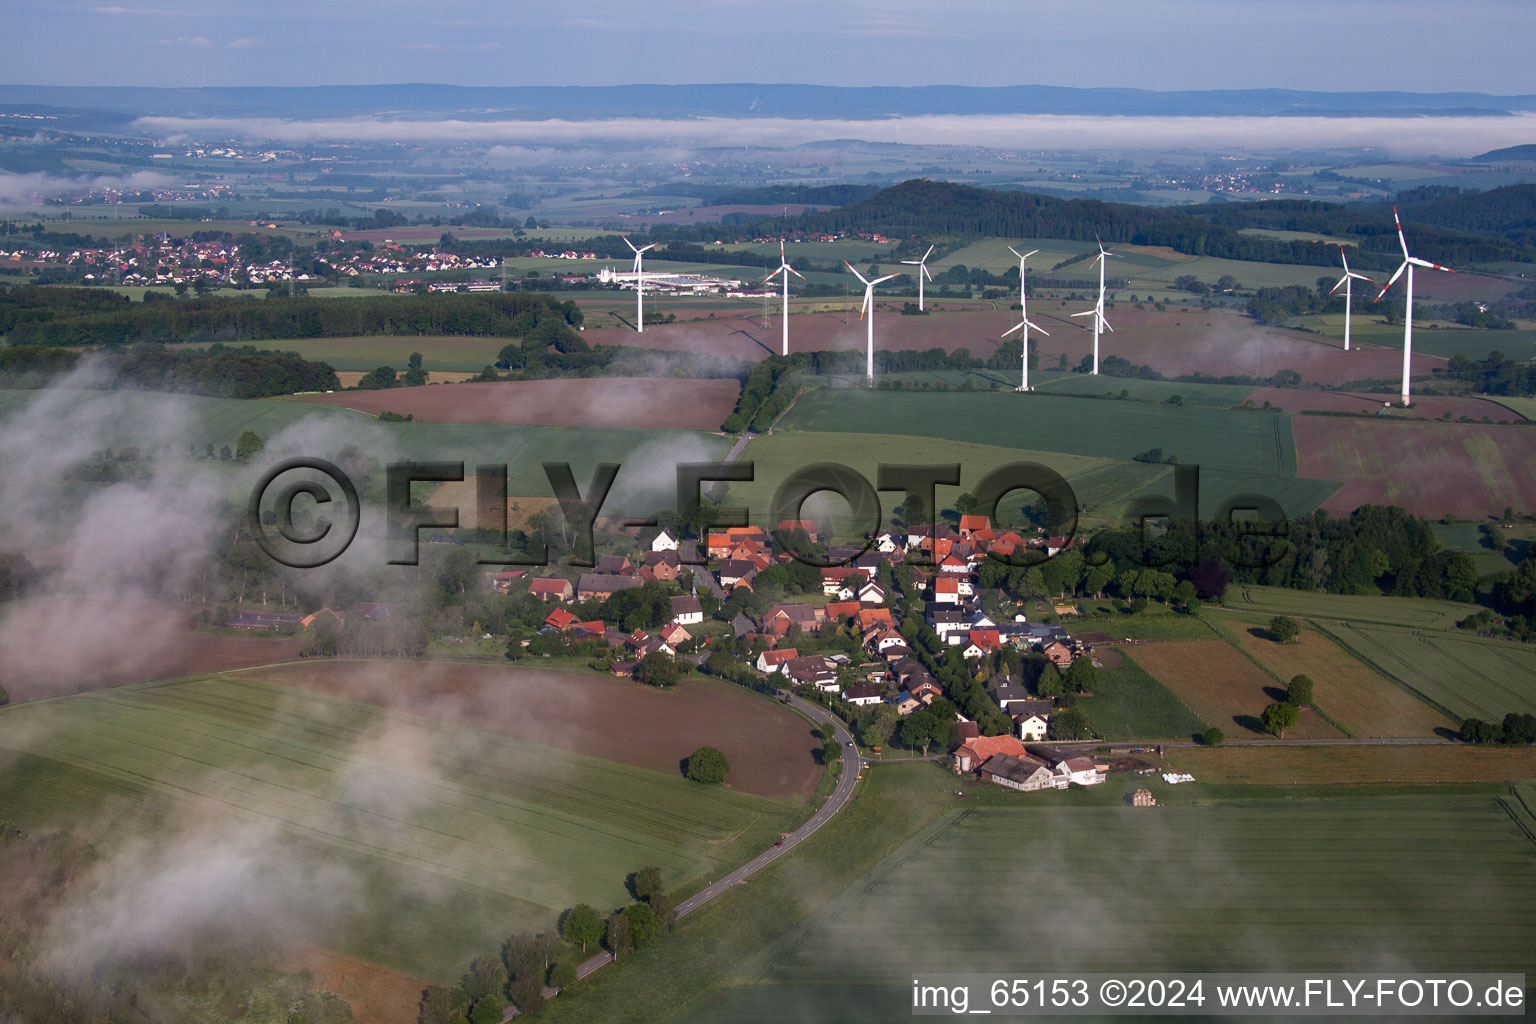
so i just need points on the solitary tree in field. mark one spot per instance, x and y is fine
(1278, 717)
(1213, 737)
(708, 765)
(647, 882)
(582, 926)
(1284, 629)
(1299, 691)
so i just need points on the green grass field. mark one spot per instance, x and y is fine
(648, 454)
(1216, 439)
(1076, 882)
(1525, 406)
(1216, 396)
(453, 838)
(1465, 676)
(369, 352)
(1127, 703)
(1102, 485)
(1414, 612)
(1467, 537)
(1238, 452)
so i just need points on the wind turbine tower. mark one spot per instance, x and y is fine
(1024, 323)
(1348, 280)
(1409, 262)
(639, 284)
(786, 270)
(1100, 324)
(922, 271)
(869, 308)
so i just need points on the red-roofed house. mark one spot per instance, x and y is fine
(560, 619)
(970, 524)
(551, 588)
(973, 753)
(774, 661)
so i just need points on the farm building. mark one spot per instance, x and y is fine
(599, 586)
(1024, 774)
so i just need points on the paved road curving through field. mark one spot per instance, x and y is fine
(853, 763)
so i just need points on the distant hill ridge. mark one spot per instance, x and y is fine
(744, 100)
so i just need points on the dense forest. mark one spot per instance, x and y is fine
(218, 372)
(85, 316)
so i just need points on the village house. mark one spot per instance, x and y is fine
(686, 611)
(664, 541)
(1082, 771)
(600, 586)
(775, 660)
(975, 751)
(1032, 719)
(661, 565)
(1021, 773)
(616, 565)
(501, 582)
(781, 617)
(862, 695)
(551, 588)
(560, 620)
(812, 670)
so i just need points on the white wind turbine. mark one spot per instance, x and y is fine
(786, 270)
(1024, 323)
(1348, 280)
(869, 308)
(1409, 262)
(1100, 324)
(922, 271)
(639, 285)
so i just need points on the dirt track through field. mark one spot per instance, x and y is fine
(769, 748)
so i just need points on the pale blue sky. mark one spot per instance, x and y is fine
(1448, 45)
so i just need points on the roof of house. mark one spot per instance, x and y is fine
(549, 585)
(861, 690)
(1031, 708)
(603, 583)
(975, 522)
(560, 619)
(613, 564)
(1051, 755)
(686, 605)
(1010, 693)
(983, 747)
(801, 613)
(1014, 769)
(779, 657)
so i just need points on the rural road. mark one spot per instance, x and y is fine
(853, 764)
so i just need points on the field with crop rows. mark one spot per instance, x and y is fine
(1416, 612)
(457, 837)
(1127, 703)
(1361, 701)
(1235, 885)
(1467, 676)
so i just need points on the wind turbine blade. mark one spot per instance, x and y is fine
(1016, 252)
(1361, 277)
(1015, 327)
(926, 255)
(1401, 267)
(629, 243)
(882, 280)
(645, 247)
(1400, 239)
(911, 263)
(927, 273)
(1037, 327)
(1029, 254)
(1336, 287)
(855, 273)
(1086, 312)
(792, 270)
(1105, 324)
(1344, 258)
(1432, 266)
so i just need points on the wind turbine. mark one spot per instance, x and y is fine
(1097, 312)
(786, 270)
(922, 271)
(1348, 280)
(869, 307)
(1024, 323)
(1409, 262)
(639, 284)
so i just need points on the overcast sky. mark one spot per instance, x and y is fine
(1447, 45)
